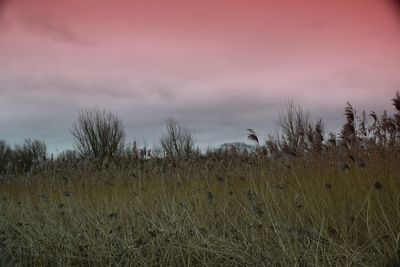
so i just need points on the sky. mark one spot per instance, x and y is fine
(217, 66)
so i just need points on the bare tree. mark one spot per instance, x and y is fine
(98, 134)
(178, 141)
(31, 154)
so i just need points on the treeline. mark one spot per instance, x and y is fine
(99, 143)
(20, 159)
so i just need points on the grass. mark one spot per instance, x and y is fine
(234, 213)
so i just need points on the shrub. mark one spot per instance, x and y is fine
(98, 134)
(178, 141)
(30, 154)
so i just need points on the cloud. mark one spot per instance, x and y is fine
(3, 4)
(20, 86)
(45, 109)
(55, 30)
(219, 80)
(41, 21)
(396, 4)
(3, 7)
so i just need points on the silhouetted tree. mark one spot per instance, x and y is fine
(178, 141)
(98, 134)
(31, 154)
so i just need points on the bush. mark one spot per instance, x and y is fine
(30, 154)
(98, 134)
(178, 141)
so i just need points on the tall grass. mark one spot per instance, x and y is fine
(298, 213)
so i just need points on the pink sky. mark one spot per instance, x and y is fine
(219, 66)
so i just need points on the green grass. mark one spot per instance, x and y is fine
(211, 214)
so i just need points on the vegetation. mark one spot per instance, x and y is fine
(98, 134)
(28, 158)
(299, 198)
(178, 141)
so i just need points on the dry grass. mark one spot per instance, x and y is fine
(230, 214)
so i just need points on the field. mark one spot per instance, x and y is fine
(188, 133)
(296, 199)
(226, 211)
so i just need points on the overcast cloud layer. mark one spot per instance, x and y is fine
(217, 66)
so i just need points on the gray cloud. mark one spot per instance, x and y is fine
(46, 108)
(18, 86)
